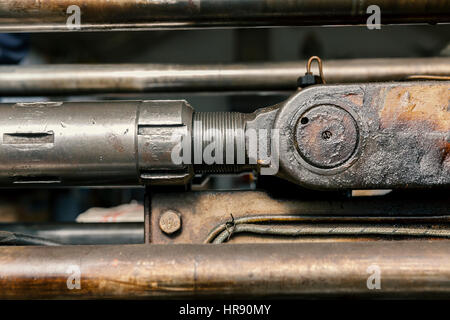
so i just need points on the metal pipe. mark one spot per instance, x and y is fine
(132, 78)
(52, 15)
(406, 269)
(81, 233)
(68, 143)
(115, 143)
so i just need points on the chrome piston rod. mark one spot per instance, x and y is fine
(129, 78)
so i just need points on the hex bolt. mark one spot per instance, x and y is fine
(170, 221)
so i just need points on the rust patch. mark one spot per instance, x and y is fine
(116, 144)
(356, 99)
(418, 103)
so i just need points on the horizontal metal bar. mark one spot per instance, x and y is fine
(52, 15)
(81, 233)
(405, 269)
(131, 78)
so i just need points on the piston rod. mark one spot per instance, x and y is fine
(132, 78)
(53, 15)
(408, 269)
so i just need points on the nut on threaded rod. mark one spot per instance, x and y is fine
(219, 143)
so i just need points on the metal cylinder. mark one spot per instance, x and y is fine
(126, 78)
(52, 15)
(91, 143)
(68, 143)
(405, 269)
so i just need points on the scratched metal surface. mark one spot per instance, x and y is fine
(50, 15)
(409, 269)
(403, 136)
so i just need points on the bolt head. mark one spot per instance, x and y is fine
(170, 221)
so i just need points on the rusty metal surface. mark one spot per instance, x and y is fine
(319, 135)
(403, 137)
(170, 222)
(408, 269)
(50, 15)
(201, 212)
(127, 78)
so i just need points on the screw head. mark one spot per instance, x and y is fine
(170, 221)
(326, 136)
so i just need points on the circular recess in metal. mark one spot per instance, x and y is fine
(326, 136)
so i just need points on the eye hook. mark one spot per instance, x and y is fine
(319, 63)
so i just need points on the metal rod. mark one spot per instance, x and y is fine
(72, 144)
(52, 15)
(101, 144)
(132, 78)
(81, 233)
(406, 269)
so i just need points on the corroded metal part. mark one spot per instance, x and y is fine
(359, 136)
(403, 136)
(408, 269)
(326, 136)
(203, 211)
(170, 222)
(52, 15)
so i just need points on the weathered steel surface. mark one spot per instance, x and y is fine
(407, 269)
(51, 15)
(201, 212)
(403, 136)
(359, 136)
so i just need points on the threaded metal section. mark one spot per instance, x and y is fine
(222, 136)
